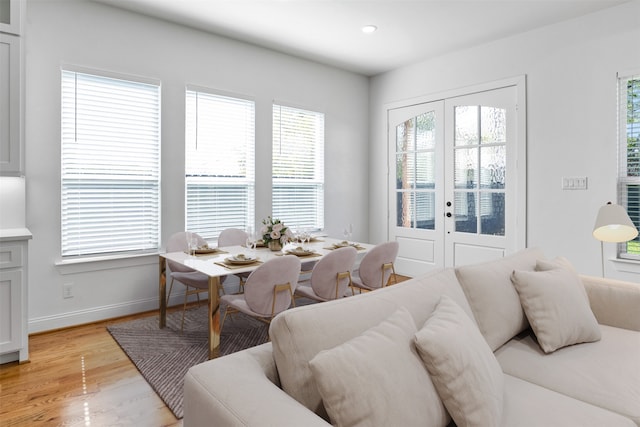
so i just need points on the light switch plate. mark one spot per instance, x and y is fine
(574, 183)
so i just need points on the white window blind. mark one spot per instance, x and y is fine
(629, 164)
(219, 170)
(110, 165)
(298, 167)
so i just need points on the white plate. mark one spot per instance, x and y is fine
(300, 252)
(243, 260)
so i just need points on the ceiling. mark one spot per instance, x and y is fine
(329, 31)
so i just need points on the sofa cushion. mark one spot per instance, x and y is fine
(215, 390)
(492, 297)
(604, 373)
(557, 307)
(299, 334)
(614, 302)
(377, 379)
(529, 405)
(464, 370)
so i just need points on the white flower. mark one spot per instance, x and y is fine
(275, 234)
(278, 227)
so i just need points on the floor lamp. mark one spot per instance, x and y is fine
(613, 225)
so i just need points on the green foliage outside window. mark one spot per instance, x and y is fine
(633, 157)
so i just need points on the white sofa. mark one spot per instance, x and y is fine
(595, 383)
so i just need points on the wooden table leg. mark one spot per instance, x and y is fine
(214, 318)
(162, 287)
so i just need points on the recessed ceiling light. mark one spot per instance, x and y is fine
(368, 29)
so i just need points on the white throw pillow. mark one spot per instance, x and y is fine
(555, 304)
(463, 368)
(378, 379)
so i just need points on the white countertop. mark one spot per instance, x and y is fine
(10, 234)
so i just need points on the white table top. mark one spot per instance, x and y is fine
(207, 263)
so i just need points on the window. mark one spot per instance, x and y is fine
(219, 170)
(110, 165)
(629, 165)
(298, 167)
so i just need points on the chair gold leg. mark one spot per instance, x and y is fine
(170, 287)
(385, 267)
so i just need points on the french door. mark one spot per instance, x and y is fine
(457, 180)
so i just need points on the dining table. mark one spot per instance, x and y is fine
(215, 263)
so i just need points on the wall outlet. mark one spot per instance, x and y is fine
(67, 290)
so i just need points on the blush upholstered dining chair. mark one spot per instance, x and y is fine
(234, 237)
(193, 280)
(330, 277)
(268, 290)
(376, 268)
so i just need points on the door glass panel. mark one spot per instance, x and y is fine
(466, 164)
(426, 135)
(493, 167)
(466, 125)
(493, 124)
(480, 163)
(426, 170)
(492, 213)
(405, 136)
(416, 171)
(404, 205)
(405, 171)
(426, 208)
(465, 212)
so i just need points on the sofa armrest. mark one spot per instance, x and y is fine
(241, 389)
(614, 302)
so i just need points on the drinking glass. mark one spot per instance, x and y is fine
(348, 232)
(192, 242)
(251, 241)
(305, 236)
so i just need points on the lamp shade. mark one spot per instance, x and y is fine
(614, 225)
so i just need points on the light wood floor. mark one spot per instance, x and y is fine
(80, 377)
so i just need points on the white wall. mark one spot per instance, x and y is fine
(99, 37)
(571, 92)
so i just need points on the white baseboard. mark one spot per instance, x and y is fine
(96, 314)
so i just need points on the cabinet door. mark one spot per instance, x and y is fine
(10, 16)
(10, 310)
(10, 145)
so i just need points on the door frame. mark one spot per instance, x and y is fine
(520, 149)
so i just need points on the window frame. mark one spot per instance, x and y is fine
(311, 186)
(625, 179)
(210, 229)
(98, 176)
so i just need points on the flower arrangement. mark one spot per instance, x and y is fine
(275, 230)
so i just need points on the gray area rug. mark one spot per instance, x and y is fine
(163, 356)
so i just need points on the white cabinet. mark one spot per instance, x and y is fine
(10, 105)
(14, 339)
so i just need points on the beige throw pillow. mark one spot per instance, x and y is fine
(494, 302)
(555, 304)
(378, 379)
(462, 366)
